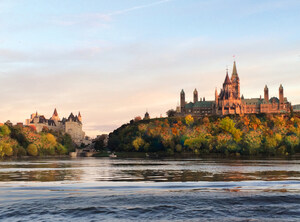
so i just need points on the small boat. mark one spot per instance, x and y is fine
(112, 155)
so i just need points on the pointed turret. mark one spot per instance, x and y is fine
(234, 70)
(79, 117)
(227, 80)
(55, 112)
(71, 117)
(55, 116)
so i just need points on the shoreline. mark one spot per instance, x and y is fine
(141, 155)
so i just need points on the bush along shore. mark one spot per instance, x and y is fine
(18, 141)
(247, 135)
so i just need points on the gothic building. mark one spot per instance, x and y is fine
(71, 125)
(229, 101)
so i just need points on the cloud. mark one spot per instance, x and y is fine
(124, 11)
(100, 19)
(112, 84)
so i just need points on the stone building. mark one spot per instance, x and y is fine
(229, 101)
(71, 125)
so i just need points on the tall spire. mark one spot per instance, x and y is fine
(234, 70)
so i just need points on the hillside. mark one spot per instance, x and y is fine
(239, 135)
(25, 141)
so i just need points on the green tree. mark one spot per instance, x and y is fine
(60, 149)
(171, 113)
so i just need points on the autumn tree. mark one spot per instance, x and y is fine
(32, 150)
(189, 120)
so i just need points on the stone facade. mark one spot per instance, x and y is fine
(229, 101)
(71, 125)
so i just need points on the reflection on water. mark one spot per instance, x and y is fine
(93, 169)
(97, 189)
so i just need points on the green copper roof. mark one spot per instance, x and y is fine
(189, 105)
(199, 104)
(274, 98)
(203, 104)
(296, 107)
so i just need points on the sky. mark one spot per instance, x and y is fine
(113, 60)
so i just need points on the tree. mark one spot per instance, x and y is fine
(137, 119)
(253, 141)
(228, 125)
(32, 150)
(67, 141)
(171, 113)
(61, 150)
(138, 143)
(189, 120)
(51, 139)
(4, 130)
(100, 142)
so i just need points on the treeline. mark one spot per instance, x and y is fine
(25, 141)
(236, 135)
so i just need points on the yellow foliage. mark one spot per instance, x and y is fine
(32, 150)
(51, 139)
(4, 130)
(137, 143)
(6, 150)
(189, 120)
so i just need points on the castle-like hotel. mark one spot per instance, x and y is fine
(230, 101)
(71, 125)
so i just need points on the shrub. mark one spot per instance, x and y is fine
(178, 148)
(21, 151)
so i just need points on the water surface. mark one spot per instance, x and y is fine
(94, 189)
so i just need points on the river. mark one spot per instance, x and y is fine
(103, 189)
